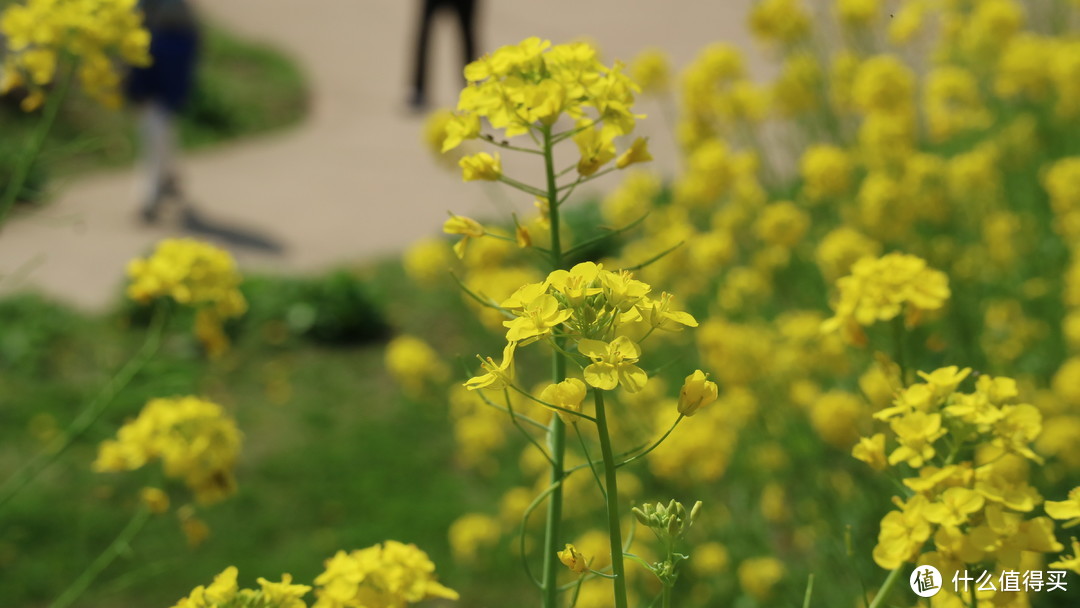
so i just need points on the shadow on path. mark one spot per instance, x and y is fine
(198, 223)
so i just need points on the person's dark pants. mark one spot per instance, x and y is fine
(465, 11)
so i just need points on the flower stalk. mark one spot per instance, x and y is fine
(37, 141)
(614, 531)
(557, 428)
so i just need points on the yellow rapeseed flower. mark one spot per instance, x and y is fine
(613, 364)
(697, 391)
(572, 559)
(568, 395)
(480, 166)
(196, 274)
(496, 376)
(651, 70)
(879, 289)
(194, 439)
(387, 574)
(94, 34)
(467, 227)
(779, 21)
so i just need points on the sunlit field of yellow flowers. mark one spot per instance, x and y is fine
(833, 361)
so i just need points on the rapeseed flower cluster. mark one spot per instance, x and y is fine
(391, 574)
(94, 34)
(881, 289)
(225, 592)
(964, 459)
(531, 85)
(195, 274)
(602, 312)
(195, 440)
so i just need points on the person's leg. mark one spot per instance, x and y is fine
(419, 92)
(466, 10)
(158, 152)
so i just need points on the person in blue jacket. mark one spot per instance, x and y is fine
(160, 91)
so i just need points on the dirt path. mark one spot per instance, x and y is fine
(354, 180)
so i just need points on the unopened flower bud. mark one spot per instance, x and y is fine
(694, 511)
(642, 518)
(697, 391)
(524, 239)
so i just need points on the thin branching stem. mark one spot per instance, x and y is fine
(653, 446)
(589, 460)
(93, 410)
(513, 183)
(118, 547)
(513, 420)
(656, 257)
(37, 140)
(507, 146)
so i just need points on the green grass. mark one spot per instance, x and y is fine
(341, 462)
(244, 88)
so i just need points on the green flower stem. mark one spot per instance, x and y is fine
(809, 591)
(557, 429)
(93, 410)
(119, 546)
(886, 588)
(37, 140)
(654, 445)
(614, 530)
(665, 601)
(898, 343)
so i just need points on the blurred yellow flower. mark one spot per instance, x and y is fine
(194, 438)
(387, 574)
(480, 166)
(94, 34)
(878, 289)
(758, 576)
(651, 70)
(472, 533)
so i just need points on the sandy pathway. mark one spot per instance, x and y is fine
(353, 180)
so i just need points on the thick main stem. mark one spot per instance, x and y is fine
(614, 530)
(556, 430)
(37, 142)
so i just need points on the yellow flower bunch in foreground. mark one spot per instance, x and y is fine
(967, 476)
(41, 34)
(193, 274)
(194, 439)
(224, 592)
(390, 575)
(607, 313)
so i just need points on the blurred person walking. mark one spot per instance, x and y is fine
(466, 16)
(160, 92)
